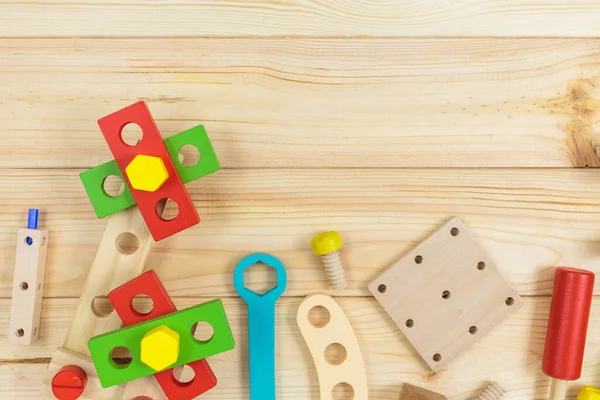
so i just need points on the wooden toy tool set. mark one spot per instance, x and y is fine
(443, 295)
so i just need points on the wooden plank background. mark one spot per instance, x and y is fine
(381, 119)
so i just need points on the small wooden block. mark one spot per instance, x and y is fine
(410, 392)
(445, 294)
(28, 286)
(336, 332)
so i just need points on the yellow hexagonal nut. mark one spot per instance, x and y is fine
(160, 348)
(147, 173)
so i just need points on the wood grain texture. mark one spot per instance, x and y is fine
(526, 220)
(308, 103)
(337, 18)
(511, 354)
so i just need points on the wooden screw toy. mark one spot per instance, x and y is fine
(567, 328)
(493, 391)
(327, 245)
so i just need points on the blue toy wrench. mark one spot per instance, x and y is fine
(261, 325)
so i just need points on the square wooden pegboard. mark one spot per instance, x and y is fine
(445, 294)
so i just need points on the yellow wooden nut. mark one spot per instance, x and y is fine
(589, 393)
(160, 348)
(147, 173)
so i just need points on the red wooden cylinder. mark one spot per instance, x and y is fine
(568, 323)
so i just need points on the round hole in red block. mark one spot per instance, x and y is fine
(69, 382)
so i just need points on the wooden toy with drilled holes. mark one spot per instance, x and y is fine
(445, 294)
(567, 328)
(336, 334)
(151, 170)
(149, 285)
(28, 282)
(121, 256)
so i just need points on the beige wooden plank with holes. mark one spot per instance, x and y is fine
(28, 285)
(333, 346)
(511, 354)
(527, 221)
(337, 18)
(445, 294)
(305, 102)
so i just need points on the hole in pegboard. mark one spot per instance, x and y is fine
(113, 186)
(143, 304)
(184, 374)
(127, 243)
(342, 391)
(102, 307)
(169, 212)
(188, 155)
(121, 356)
(319, 317)
(335, 354)
(202, 331)
(132, 134)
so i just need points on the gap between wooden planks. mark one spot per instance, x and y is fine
(335, 18)
(527, 220)
(510, 354)
(310, 103)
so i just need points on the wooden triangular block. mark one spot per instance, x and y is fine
(410, 392)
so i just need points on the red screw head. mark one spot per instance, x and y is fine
(69, 382)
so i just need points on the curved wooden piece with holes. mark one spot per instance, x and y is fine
(112, 267)
(338, 330)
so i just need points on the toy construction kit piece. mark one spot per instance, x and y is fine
(261, 325)
(567, 328)
(69, 382)
(149, 284)
(327, 245)
(493, 391)
(121, 256)
(445, 294)
(151, 169)
(28, 282)
(410, 392)
(188, 348)
(589, 393)
(337, 333)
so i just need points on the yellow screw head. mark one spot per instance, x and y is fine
(147, 173)
(160, 348)
(326, 242)
(589, 393)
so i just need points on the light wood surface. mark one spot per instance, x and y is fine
(511, 354)
(379, 119)
(526, 220)
(302, 102)
(445, 294)
(338, 18)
